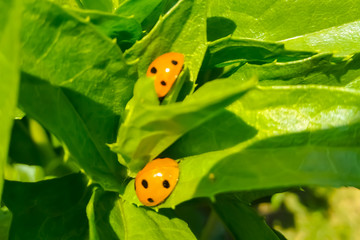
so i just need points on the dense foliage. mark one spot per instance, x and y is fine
(268, 101)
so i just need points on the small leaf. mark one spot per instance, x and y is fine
(18, 114)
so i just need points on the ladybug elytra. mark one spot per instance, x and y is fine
(165, 69)
(155, 182)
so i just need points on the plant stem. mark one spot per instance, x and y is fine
(210, 226)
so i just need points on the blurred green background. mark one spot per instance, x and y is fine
(315, 213)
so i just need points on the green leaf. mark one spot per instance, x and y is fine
(63, 120)
(10, 12)
(94, 65)
(186, 20)
(230, 49)
(196, 214)
(5, 222)
(82, 83)
(321, 69)
(149, 128)
(211, 136)
(146, 12)
(98, 211)
(338, 39)
(229, 54)
(125, 30)
(272, 111)
(219, 27)
(138, 9)
(102, 5)
(68, 3)
(276, 71)
(23, 173)
(50, 209)
(179, 90)
(307, 135)
(215, 229)
(291, 109)
(18, 114)
(327, 26)
(265, 169)
(242, 220)
(112, 218)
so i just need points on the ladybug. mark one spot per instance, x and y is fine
(155, 182)
(165, 69)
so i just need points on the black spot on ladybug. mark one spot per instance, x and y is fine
(163, 83)
(144, 183)
(166, 184)
(153, 70)
(150, 200)
(174, 62)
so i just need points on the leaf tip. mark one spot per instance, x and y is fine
(133, 62)
(348, 57)
(130, 173)
(113, 146)
(89, 182)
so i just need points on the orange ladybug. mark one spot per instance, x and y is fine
(165, 69)
(155, 182)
